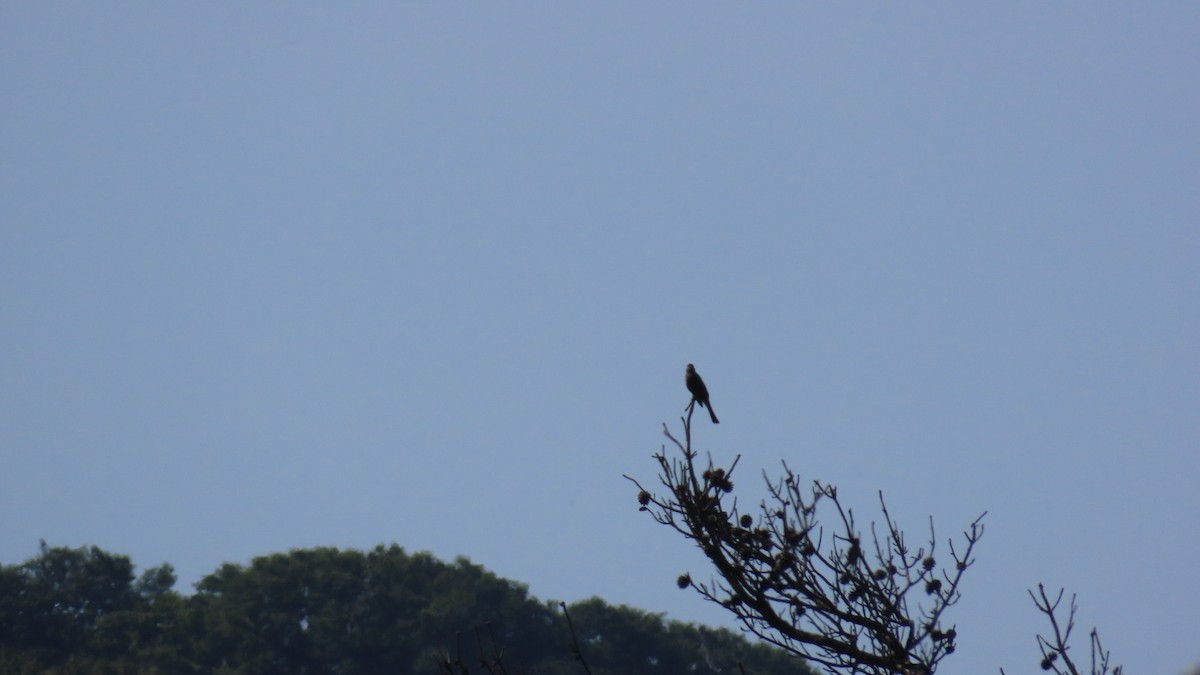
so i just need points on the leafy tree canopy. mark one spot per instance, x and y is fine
(326, 610)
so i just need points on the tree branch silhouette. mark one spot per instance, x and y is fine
(870, 605)
(1055, 647)
(575, 649)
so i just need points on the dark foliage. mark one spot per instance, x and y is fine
(326, 610)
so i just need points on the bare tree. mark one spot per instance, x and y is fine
(852, 603)
(1055, 647)
(489, 659)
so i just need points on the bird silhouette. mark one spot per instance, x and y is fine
(699, 392)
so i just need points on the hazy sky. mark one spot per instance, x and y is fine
(278, 275)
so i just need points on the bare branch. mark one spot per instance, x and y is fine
(1055, 648)
(575, 650)
(814, 589)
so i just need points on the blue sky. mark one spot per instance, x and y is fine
(292, 274)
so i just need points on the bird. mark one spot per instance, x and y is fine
(699, 391)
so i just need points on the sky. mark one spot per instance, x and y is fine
(279, 275)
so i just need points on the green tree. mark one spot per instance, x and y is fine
(324, 610)
(52, 604)
(80, 610)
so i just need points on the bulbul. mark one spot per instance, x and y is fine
(699, 391)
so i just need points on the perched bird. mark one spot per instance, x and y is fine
(699, 391)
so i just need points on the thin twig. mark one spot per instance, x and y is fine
(575, 649)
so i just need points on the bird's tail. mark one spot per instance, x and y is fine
(712, 414)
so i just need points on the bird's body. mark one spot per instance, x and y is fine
(699, 391)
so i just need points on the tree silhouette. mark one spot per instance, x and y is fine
(817, 588)
(1055, 647)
